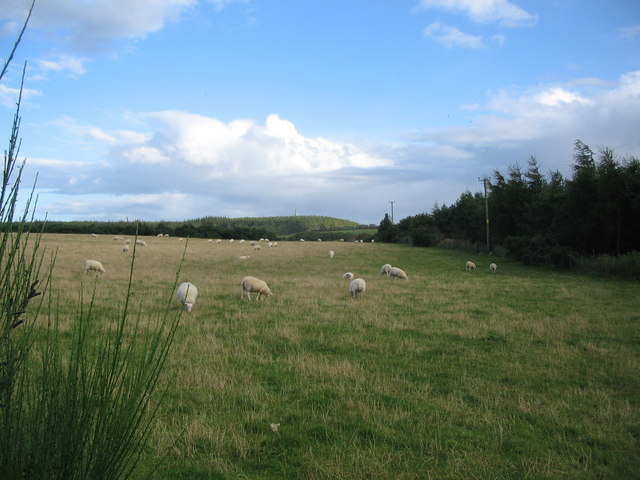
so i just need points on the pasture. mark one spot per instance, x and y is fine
(527, 373)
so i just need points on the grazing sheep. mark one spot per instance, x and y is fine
(470, 266)
(395, 272)
(385, 269)
(128, 240)
(348, 276)
(93, 266)
(187, 293)
(493, 267)
(257, 247)
(357, 287)
(242, 258)
(125, 248)
(253, 284)
(93, 235)
(331, 253)
(142, 243)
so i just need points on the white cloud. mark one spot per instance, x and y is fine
(485, 11)
(555, 96)
(87, 26)
(9, 96)
(629, 33)
(451, 36)
(61, 63)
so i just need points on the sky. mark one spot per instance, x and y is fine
(179, 109)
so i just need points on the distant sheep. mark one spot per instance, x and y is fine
(357, 287)
(493, 267)
(470, 266)
(187, 293)
(253, 284)
(242, 258)
(385, 269)
(125, 248)
(142, 243)
(348, 276)
(331, 253)
(395, 272)
(93, 266)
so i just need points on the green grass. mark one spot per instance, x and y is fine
(528, 373)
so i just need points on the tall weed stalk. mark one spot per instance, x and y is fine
(75, 405)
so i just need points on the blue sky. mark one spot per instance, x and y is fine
(178, 109)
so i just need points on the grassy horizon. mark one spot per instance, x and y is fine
(528, 373)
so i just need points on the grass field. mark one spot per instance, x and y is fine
(452, 375)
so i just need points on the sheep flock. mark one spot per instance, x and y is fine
(187, 293)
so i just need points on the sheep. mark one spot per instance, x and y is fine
(348, 276)
(187, 293)
(93, 266)
(125, 248)
(493, 267)
(357, 287)
(385, 269)
(128, 240)
(257, 247)
(470, 266)
(242, 258)
(93, 235)
(395, 272)
(331, 253)
(253, 284)
(142, 243)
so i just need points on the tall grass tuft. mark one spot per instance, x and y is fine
(77, 401)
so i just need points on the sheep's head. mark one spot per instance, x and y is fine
(188, 307)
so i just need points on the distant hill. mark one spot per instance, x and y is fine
(309, 227)
(284, 225)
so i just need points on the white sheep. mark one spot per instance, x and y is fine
(331, 253)
(357, 287)
(242, 258)
(493, 267)
(395, 272)
(187, 293)
(93, 266)
(385, 269)
(125, 248)
(142, 243)
(253, 284)
(470, 266)
(348, 276)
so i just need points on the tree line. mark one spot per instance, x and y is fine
(537, 218)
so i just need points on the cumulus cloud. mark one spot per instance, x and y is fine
(178, 165)
(451, 36)
(535, 121)
(87, 27)
(502, 12)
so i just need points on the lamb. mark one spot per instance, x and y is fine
(253, 284)
(395, 272)
(470, 266)
(93, 266)
(493, 267)
(348, 276)
(187, 293)
(385, 269)
(331, 253)
(357, 287)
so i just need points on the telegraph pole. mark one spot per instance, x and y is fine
(485, 181)
(392, 202)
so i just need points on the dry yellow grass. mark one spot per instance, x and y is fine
(451, 374)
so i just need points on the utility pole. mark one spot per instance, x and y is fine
(485, 181)
(392, 202)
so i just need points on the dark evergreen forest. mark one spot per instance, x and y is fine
(538, 218)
